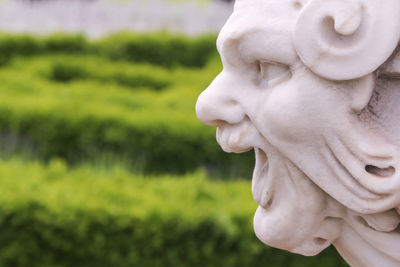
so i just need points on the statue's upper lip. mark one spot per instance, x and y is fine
(238, 137)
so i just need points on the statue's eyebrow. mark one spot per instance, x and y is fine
(228, 48)
(259, 44)
(226, 44)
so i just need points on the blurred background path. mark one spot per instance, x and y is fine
(97, 18)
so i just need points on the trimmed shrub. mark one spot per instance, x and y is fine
(65, 72)
(67, 68)
(18, 45)
(157, 145)
(12, 45)
(159, 49)
(65, 43)
(52, 216)
(154, 48)
(93, 114)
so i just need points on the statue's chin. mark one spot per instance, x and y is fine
(279, 232)
(292, 212)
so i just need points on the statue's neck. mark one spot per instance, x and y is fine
(370, 240)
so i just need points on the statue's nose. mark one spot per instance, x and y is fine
(217, 103)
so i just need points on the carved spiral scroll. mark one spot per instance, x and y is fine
(347, 39)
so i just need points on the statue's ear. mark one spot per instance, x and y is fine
(345, 40)
(361, 92)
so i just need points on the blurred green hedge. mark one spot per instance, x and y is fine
(52, 216)
(12, 45)
(80, 107)
(155, 48)
(156, 145)
(92, 113)
(159, 48)
(67, 69)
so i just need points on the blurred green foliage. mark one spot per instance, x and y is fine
(160, 49)
(154, 48)
(66, 69)
(80, 106)
(90, 114)
(52, 216)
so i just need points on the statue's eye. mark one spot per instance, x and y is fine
(271, 74)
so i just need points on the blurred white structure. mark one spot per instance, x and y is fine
(101, 17)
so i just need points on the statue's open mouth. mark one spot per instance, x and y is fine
(262, 180)
(242, 137)
(277, 187)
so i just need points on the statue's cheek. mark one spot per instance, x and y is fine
(284, 115)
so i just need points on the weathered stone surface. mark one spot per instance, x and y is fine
(313, 86)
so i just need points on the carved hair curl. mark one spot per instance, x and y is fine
(347, 39)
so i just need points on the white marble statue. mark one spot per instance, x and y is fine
(314, 87)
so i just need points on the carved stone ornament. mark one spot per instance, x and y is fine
(314, 87)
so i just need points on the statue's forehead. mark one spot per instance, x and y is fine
(269, 23)
(279, 8)
(270, 16)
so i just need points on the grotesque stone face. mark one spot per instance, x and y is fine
(306, 85)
